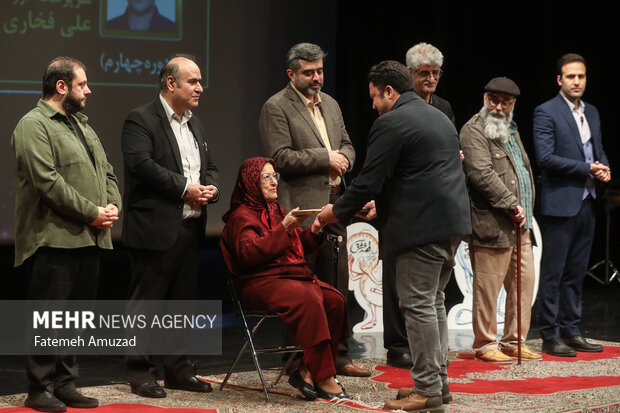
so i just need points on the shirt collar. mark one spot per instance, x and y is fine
(51, 112)
(170, 115)
(305, 100)
(579, 109)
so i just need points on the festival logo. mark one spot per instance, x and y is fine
(365, 275)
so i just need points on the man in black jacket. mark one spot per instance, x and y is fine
(169, 179)
(413, 171)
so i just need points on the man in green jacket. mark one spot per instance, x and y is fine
(66, 201)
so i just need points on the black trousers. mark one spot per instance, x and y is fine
(321, 262)
(395, 338)
(59, 274)
(165, 275)
(568, 242)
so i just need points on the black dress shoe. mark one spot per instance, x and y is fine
(322, 394)
(305, 388)
(189, 384)
(45, 402)
(401, 360)
(580, 344)
(73, 398)
(148, 389)
(556, 347)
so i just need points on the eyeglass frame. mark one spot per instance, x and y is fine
(498, 100)
(425, 74)
(268, 177)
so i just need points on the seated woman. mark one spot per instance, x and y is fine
(264, 250)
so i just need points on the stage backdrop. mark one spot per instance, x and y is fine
(240, 47)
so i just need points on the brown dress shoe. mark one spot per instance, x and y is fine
(446, 396)
(353, 371)
(416, 403)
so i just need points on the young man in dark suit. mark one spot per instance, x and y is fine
(569, 152)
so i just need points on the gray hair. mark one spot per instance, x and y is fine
(303, 51)
(423, 54)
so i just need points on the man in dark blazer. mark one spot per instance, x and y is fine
(424, 62)
(569, 152)
(169, 179)
(413, 171)
(302, 129)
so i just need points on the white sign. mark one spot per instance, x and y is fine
(366, 275)
(459, 316)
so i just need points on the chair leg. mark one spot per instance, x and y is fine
(260, 371)
(283, 370)
(249, 340)
(232, 368)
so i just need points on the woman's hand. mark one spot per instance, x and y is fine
(290, 222)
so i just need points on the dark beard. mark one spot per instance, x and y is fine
(71, 105)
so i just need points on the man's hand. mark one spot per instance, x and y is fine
(372, 211)
(290, 222)
(210, 193)
(326, 216)
(106, 217)
(518, 216)
(316, 226)
(338, 163)
(600, 171)
(197, 194)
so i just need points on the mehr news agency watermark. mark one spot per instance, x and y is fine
(111, 327)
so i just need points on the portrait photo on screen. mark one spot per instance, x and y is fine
(141, 19)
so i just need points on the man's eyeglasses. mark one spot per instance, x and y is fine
(496, 100)
(427, 73)
(269, 177)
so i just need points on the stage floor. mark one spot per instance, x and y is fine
(601, 320)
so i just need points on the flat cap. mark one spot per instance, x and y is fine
(503, 85)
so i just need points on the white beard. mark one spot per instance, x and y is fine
(496, 125)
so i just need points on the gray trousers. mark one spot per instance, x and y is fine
(422, 273)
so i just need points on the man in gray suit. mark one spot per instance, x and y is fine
(302, 129)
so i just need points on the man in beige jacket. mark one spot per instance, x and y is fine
(302, 129)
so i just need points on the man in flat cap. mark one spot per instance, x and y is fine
(501, 192)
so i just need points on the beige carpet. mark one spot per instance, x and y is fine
(588, 383)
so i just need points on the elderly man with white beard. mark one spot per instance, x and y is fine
(501, 191)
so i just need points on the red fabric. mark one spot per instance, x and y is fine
(119, 408)
(248, 193)
(466, 365)
(258, 250)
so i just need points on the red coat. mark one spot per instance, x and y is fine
(266, 279)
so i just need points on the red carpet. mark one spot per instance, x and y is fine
(118, 408)
(465, 366)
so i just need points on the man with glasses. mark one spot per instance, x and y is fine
(424, 62)
(302, 129)
(501, 191)
(569, 152)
